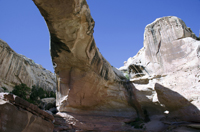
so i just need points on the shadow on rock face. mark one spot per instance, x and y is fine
(178, 106)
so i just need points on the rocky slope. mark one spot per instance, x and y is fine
(17, 69)
(18, 115)
(166, 70)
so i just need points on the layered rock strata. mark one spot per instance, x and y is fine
(16, 69)
(86, 81)
(18, 115)
(166, 70)
(87, 84)
(91, 92)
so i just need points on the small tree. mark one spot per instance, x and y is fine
(52, 94)
(32, 95)
(22, 90)
(37, 93)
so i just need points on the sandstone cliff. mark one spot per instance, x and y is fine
(166, 70)
(17, 69)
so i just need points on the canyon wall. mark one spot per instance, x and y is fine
(16, 69)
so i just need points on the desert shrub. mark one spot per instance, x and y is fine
(52, 94)
(22, 90)
(32, 95)
(37, 93)
(127, 76)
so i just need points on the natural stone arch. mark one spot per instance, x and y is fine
(85, 80)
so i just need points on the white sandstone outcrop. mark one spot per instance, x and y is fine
(166, 71)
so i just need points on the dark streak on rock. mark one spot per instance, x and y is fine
(159, 45)
(154, 37)
(104, 72)
(57, 45)
(96, 59)
(136, 68)
(92, 45)
(131, 98)
(106, 75)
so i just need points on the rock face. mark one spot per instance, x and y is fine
(17, 115)
(47, 103)
(87, 84)
(92, 95)
(86, 81)
(16, 69)
(166, 70)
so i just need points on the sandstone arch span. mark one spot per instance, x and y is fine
(85, 80)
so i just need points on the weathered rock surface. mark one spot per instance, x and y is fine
(47, 103)
(1, 89)
(166, 70)
(92, 95)
(86, 81)
(17, 115)
(88, 85)
(16, 69)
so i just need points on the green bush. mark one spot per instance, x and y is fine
(52, 94)
(22, 90)
(32, 95)
(37, 93)
(127, 76)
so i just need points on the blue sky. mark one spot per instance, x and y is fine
(118, 32)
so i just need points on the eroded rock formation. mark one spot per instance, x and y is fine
(166, 70)
(16, 69)
(85, 79)
(92, 95)
(87, 83)
(18, 115)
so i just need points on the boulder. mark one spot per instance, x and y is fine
(53, 110)
(177, 105)
(18, 115)
(16, 69)
(47, 103)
